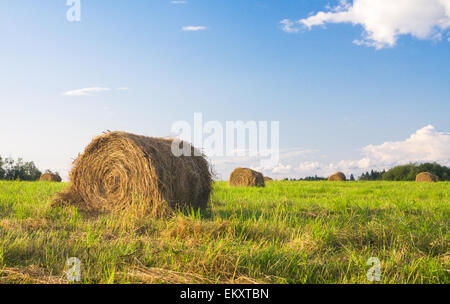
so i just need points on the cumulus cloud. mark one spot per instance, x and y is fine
(282, 168)
(308, 167)
(193, 28)
(383, 21)
(223, 165)
(426, 145)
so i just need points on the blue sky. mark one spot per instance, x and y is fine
(338, 101)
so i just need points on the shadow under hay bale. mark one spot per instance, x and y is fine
(50, 177)
(268, 179)
(426, 177)
(117, 169)
(338, 176)
(245, 177)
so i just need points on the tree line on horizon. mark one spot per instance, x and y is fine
(27, 171)
(18, 170)
(399, 173)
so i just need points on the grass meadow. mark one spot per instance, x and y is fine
(288, 232)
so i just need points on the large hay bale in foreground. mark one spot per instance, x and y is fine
(338, 176)
(268, 179)
(117, 169)
(50, 177)
(426, 177)
(246, 177)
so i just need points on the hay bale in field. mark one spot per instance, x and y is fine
(338, 176)
(117, 169)
(268, 179)
(426, 177)
(246, 177)
(50, 177)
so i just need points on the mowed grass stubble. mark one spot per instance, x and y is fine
(288, 232)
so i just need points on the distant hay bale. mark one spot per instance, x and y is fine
(338, 176)
(50, 177)
(117, 169)
(246, 178)
(268, 179)
(426, 177)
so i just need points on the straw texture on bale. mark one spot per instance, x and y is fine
(246, 178)
(338, 176)
(426, 177)
(117, 168)
(50, 177)
(267, 179)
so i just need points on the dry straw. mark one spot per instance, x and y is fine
(426, 177)
(246, 177)
(267, 179)
(338, 176)
(50, 177)
(117, 169)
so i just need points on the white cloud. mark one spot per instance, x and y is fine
(289, 26)
(179, 2)
(225, 164)
(282, 168)
(86, 91)
(91, 91)
(383, 20)
(193, 28)
(364, 163)
(426, 145)
(308, 167)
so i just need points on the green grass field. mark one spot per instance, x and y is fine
(288, 232)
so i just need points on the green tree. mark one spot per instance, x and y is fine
(2, 171)
(408, 172)
(20, 170)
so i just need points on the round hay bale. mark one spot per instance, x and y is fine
(426, 177)
(117, 169)
(50, 177)
(268, 179)
(246, 178)
(338, 176)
